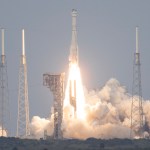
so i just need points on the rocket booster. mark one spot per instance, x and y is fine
(73, 57)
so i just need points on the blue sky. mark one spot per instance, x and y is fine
(106, 40)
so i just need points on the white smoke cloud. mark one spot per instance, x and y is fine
(39, 125)
(107, 110)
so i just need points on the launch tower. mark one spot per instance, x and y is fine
(136, 107)
(4, 96)
(23, 103)
(55, 82)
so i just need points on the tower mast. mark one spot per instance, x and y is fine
(4, 100)
(136, 106)
(23, 103)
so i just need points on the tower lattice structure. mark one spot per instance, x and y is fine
(136, 107)
(55, 82)
(23, 129)
(4, 95)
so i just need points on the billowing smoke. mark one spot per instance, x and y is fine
(107, 115)
(39, 125)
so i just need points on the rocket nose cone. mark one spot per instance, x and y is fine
(74, 12)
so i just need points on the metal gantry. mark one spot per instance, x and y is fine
(4, 96)
(136, 107)
(55, 82)
(23, 129)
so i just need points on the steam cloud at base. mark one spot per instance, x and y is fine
(3, 132)
(107, 115)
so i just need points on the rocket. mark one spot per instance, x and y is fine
(73, 57)
(73, 60)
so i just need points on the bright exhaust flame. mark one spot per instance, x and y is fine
(75, 89)
(3, 132)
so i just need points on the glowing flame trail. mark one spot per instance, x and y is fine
(74, 75)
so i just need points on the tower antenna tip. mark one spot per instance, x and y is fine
(23, 42)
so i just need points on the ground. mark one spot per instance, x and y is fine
(12, 143)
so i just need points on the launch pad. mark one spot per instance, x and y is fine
(55, 82)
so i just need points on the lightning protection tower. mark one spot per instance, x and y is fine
(23, 103)
(56, 84)
(136, 106)
(4, 96)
